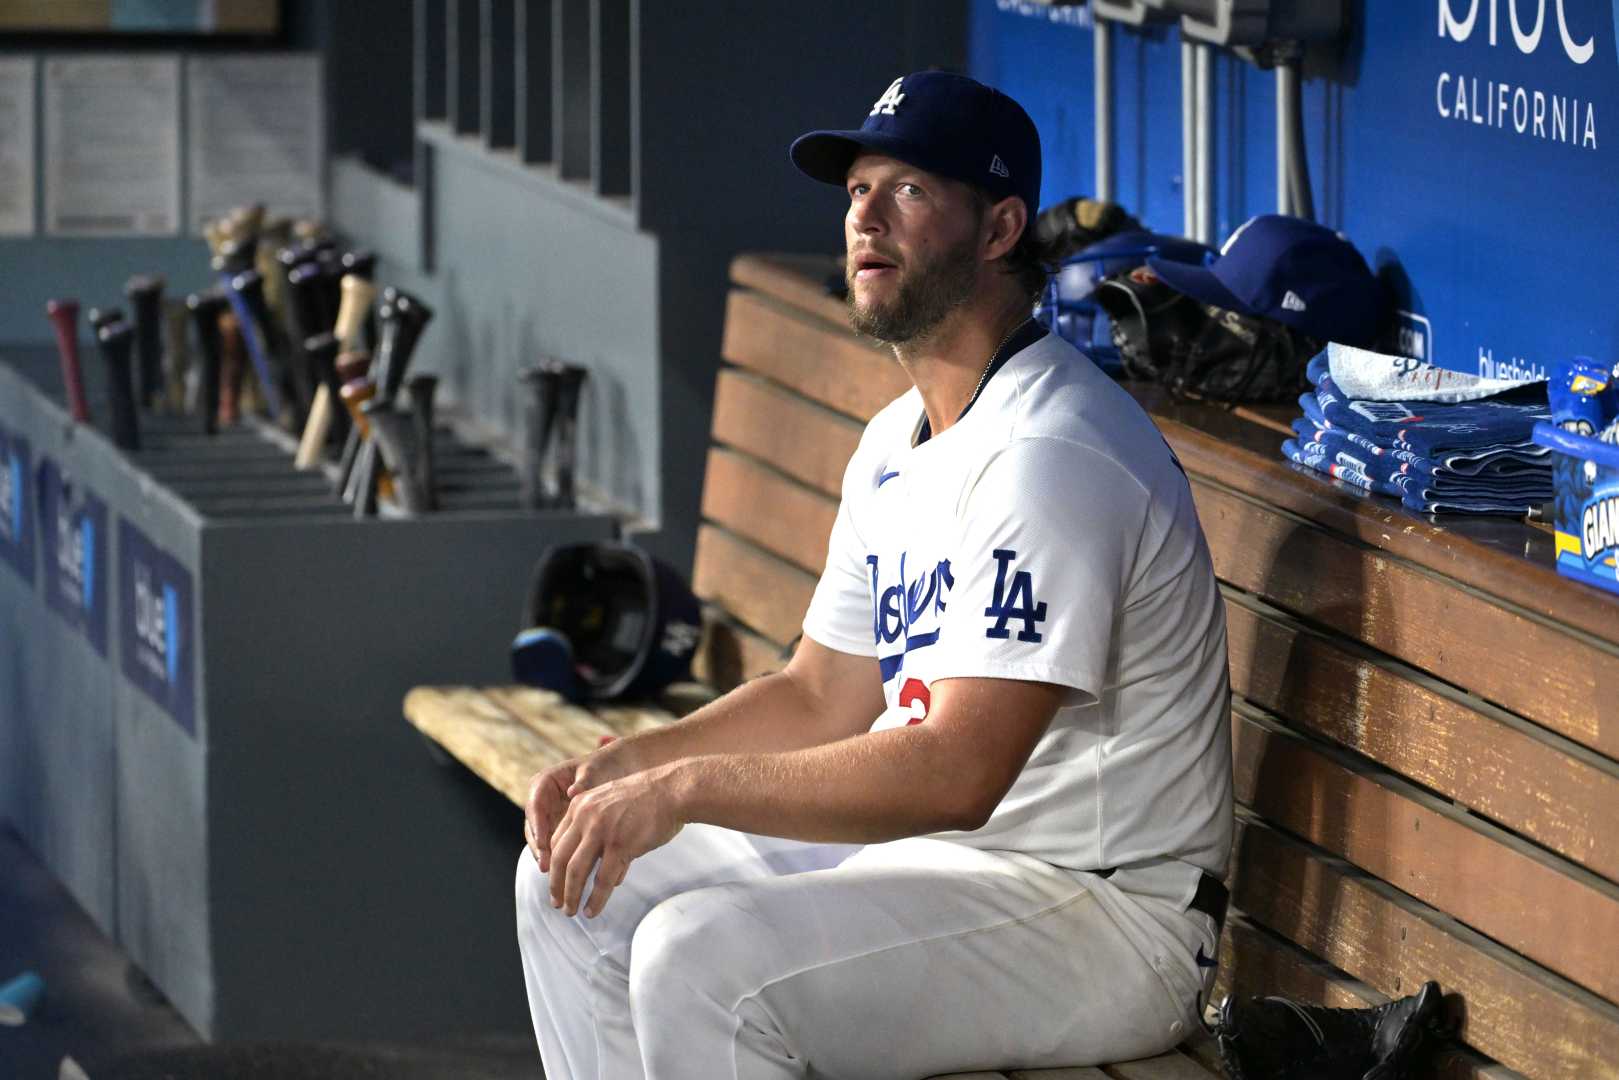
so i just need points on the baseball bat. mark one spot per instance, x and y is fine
(205, 308)
(307, 288)
(400, 333)
(233, 365)
(571, 380)
(403, 317)
(117, 342)
(232, 260)
(145, 295)
(362, 263)
(422, 390)
(275, 235)
(64, 317)
(98, 317)
(176, 355)
(392, 432)
(357, 293)
(363, 486)
(539, 415)
(348, 367)
(322, 352)
(292, 382)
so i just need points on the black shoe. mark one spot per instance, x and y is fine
(1274, 1038)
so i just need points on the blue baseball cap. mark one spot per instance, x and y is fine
(947, 124)
(1284, 268)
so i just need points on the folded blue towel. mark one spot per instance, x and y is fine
(1413, 494)
(1407, 479)
(1430, 429)
(1490, 463)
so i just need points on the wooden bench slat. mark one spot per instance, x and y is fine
(1561, 680)
(822, 362)
(1487, 553)
(498, 747)
(1535, 783)
(775, 512)
(1525, 1018)
(802, 439)
(1551, 911)
(767, 594)
(796, 279)
(730, 655)
(1255, 961)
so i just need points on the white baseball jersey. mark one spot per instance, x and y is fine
(1048, 535)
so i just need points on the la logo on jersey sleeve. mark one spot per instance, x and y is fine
(1014, 602)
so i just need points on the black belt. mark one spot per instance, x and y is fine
(1211, 897)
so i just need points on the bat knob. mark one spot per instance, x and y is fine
(360, 263)
(66, 310)
(143, 288)
(100, 317)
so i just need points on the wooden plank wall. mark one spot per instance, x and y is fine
(1424, 726)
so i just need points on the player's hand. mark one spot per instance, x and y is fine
(550, 790)
(547, 802)
(611, 825)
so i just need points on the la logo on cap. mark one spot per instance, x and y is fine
(890, 99)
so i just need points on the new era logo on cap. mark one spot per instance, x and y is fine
(1292, 302)
(998, 167)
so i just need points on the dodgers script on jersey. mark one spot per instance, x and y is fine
(1048, 535)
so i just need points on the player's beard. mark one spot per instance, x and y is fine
(928, 292)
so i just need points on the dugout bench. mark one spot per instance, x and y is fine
(1425, 717)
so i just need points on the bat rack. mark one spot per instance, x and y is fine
(200, 727)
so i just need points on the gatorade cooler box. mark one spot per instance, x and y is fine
(1586, 472)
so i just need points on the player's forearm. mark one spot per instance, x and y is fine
(767, 715)
(866, 789)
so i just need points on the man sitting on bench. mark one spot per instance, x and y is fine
(980, 819)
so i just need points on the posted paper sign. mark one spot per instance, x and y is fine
(257, 135)
(112, 145)
(17, 146)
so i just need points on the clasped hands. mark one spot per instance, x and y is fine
(584, 814)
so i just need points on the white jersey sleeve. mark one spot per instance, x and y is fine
(1046, 548)
(839, 614)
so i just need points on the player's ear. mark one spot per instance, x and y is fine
(1004, 223)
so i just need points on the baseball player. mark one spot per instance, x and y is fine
(980, 819)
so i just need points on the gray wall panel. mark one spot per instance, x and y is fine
(355, 888)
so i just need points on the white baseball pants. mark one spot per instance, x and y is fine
(727, 956)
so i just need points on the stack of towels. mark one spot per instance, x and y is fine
(1437, 440)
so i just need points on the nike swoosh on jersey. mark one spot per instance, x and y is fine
(1205, 961)
(885, 478)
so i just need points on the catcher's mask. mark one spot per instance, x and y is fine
(631, 622)
(1069, 307)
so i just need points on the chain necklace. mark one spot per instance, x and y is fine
(983, 376)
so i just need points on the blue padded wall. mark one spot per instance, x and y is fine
(1500, 241)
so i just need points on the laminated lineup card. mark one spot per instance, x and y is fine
(112, 145)
(17, 146)
(256, 134)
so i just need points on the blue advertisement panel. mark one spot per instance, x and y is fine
(155, 624)
(73, 546)
(16, 526)
(1467, 147)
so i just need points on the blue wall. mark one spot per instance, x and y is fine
(1505, 242)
